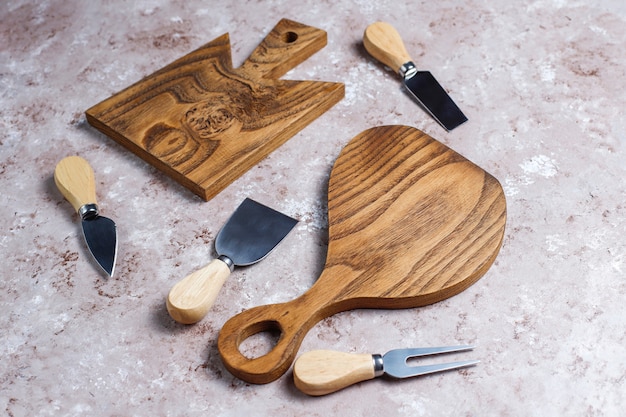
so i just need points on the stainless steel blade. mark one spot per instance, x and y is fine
(395, 361)
(101, 236)
(431, 95)
(384, 43)
(252, 232)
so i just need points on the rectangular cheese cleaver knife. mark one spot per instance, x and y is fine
(250, 234)
(383, 42)
(75, 179)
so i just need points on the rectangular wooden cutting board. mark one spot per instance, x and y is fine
(205, 123)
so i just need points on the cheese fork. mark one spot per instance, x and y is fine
(322, 372)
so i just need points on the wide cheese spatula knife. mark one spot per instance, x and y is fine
(75, 179)
(248, 236)
(384, 43)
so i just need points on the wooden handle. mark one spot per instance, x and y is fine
(75, 179)
(292, 320)
(384, 43)
(191, 298)
(286, 46)
(321, 372)
(269, 367)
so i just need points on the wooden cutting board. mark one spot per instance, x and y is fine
(205, 123)
(410, 222)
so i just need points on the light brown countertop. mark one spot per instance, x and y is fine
(543, 85)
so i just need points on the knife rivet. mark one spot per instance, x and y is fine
(408, 70)
(229, 262)
(88, 211)
(379, 368)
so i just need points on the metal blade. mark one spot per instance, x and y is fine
(252, 232)
(395, 361)
(101, 237)
(434, 99)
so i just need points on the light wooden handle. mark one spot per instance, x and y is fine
(191, 298)
(75, 179)
(384, 43)
(321, 372)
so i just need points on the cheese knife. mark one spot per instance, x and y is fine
(383, 42)
(75, 178)
(248, 236)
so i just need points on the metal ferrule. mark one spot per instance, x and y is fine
(88, 211)
(229, 262)
(408, 70)
(378, 364)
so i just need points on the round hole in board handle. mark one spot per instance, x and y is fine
(260, 339)
(290, 37)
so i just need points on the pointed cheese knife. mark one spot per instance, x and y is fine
(384, 43)
(75, 179)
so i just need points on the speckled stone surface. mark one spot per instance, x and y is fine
(543, 84)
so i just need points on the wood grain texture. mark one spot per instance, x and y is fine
(190, 299)
(411, 222)
(321, 372)
(383, 42)
(75, 178)
(205, 123)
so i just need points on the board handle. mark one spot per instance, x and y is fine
(286, 46)
(383, 42)
(322, 372)
(292, 320)
(190, 299)
(75, 179)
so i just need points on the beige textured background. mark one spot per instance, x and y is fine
(542, 83)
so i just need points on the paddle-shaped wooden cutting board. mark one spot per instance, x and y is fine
(411, 222)
(205, 123)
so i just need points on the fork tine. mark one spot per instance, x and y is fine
(427, 351)
(434, 368)
(395, 361)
